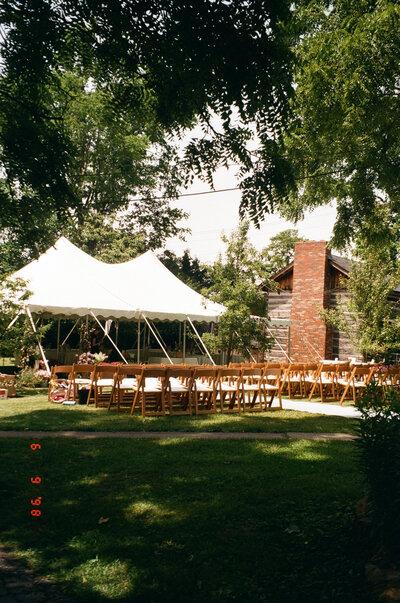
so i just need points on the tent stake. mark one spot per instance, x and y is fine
(107, 335)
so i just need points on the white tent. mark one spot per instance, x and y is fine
(67, 282)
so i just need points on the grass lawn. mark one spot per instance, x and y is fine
(187, 520)
(34, 412)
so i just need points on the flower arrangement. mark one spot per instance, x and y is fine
(85, 358)
(42, 374)
(89, 358)
(100, 357)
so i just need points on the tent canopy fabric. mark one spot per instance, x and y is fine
(67, 282)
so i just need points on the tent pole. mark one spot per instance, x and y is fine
(184, 342)
(158, 332)
(138, 341)
(158, 341)
(107, 335)
(66, 339)
(248, 351)
(58, 337)
(200, 339)
(262, 319)
(14, 320)
(271, 333)
(40, 345)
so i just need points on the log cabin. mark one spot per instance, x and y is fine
(314, 280)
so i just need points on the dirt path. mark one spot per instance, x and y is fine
(193, 435)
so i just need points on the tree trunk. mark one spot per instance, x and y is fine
(229, 350)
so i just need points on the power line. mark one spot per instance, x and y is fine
(222, 190)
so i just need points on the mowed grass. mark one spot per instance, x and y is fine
(183, 520)
(33, 412)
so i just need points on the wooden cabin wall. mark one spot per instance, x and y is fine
(279, 306)
(342, 347)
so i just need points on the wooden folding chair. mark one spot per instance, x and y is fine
(151, 391)
(61, 374)
(229, 389)
(260, 365)
(359, 378)
(294, 377)
(393, 377)
(271, 385)
(310, 372)
(179, 390)
(104, 380)
(342, 376)
(82, 377)
(386, 376)
(252, 384)
(204, 390)
(126, 381)
(325, 384)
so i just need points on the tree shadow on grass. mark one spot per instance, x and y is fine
(180, 520)
(54, 418)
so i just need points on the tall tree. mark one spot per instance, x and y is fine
(344, 137)
(159, 62)
(21, 338)
(237, 276)
(368, 312)
(112, 160)
(280, 250)
(189, 269)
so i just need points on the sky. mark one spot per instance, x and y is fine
(211, 214)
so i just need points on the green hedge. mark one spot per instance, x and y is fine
(379, 445)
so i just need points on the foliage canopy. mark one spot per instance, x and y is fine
(343, 142)
(112, 159)
(236, 284)
(160, 65)
(280, 251)
(368, 314)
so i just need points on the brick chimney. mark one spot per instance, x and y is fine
(310, 337)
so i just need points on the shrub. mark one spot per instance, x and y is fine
(379, 444)
(28, 378)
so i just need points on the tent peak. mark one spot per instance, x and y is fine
(143, 285)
